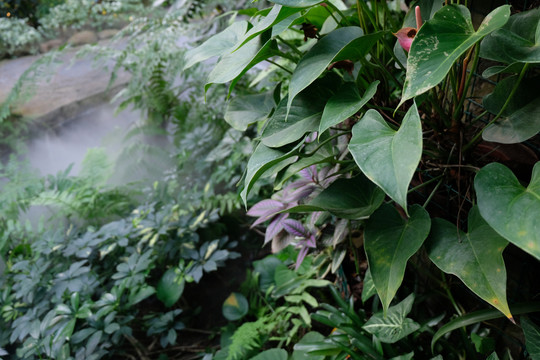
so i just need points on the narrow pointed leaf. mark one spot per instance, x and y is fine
(474, 257)
(347, 198)
(395, 325)
(390, 241)
(297, 3)
(532, 337)
(508, 207)
(344, 104)
(441, 41)
(347, 43)
(388, 158)
(217, 45)
(521, 118)
(517, 41)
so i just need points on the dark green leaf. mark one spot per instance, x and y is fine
(235, 307)
(475, 257)
(508, 207)
(387, 157)
(390, 241)
(395, 325)
(441, 41)
(266, 269)
(517, 41)
(483, 345)
(344, 104)
(272, 354)
(532, 337)
(520, 119)
(170, 287)
(302, 352)
(248, 109)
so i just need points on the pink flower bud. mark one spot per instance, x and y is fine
(405, 37)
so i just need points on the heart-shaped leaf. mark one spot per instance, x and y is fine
(233, 65)
(235, 307)
(508, 207)
(354, 198)
(517, 41)
(387, 157)
(390, 241)
(441, 41)
(474, 257)
(521, 117)
(248, 109)
(395, 325)
(346, 43)
(170, 287)
(217, 45)
(344, 104)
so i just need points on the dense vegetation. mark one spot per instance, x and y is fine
(399, 197)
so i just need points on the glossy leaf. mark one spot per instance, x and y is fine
(301, 352)
(481, 316)
(368, 288)
(532, 337)
(217, 45)
(521, 118)
(354, 198)
(262, 159)
(233, 65)
(508, 207)
(297, 3)
(390, 241)
(474, 257)
(235, 307)
(395, 325)
(344, 104)
(347, 43)
(170, 287)
(441, 41)
(387, 157)
(517, 41)
(248, 109)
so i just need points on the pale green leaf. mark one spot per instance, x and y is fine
(297, 3)
(508, 207)
(248, 109)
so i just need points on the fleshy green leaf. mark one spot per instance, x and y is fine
(347, 43)
(508, 207)
(441, 41)
(395, 325)
(388, 157)
(217, 45)
(248, 109)
(235, 307)
(170, 287)
(474, 257)
(532, 337)
(390, 241)
(347, 198)
(233, 65)
(517, 41)
(297, 3)
(344, 104)
(521, 117)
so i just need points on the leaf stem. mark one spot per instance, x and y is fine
(279, 66)
(291, 46)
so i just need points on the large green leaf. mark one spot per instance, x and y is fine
(517, 41)
(390, 241)
(344, 104)
(521, 118)
(532, 337)
(441, 41)
(387, 157)
(474, 257)
(262, 159)
(271, 354)
(297, 3)
(217, 45)
(233, 65)
(508, 207)
(354, 198)
(346, 43)
(395, 325)
(302, 353)
(170, 287)
(247, 109)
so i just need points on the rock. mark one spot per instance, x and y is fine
(83, 38)
(107, 34)
(50, 45)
